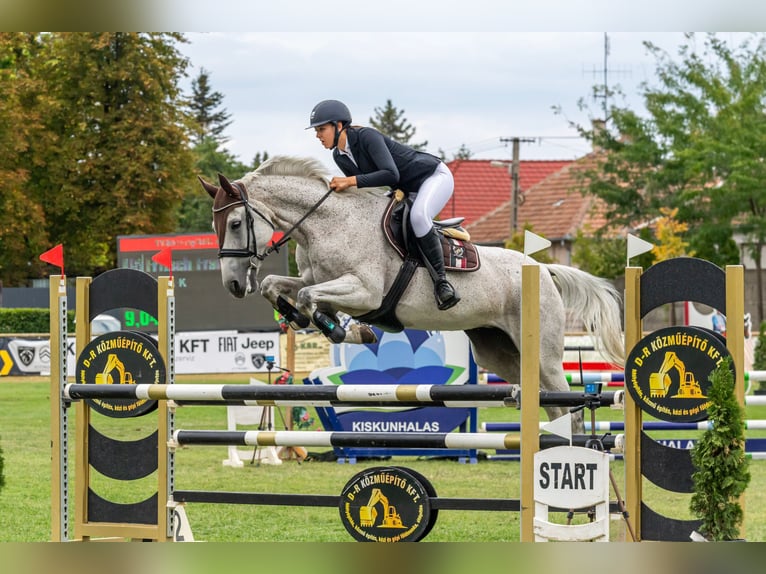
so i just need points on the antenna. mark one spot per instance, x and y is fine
(602, 92)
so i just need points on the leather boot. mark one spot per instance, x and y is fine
(431, 249)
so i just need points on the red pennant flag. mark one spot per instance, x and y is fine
(276, 237)
(55, 257)
(164, 258)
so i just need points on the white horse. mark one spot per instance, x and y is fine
(346, 265)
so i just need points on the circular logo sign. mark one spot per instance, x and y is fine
(121, 357)
(386, 504)
(667, 372)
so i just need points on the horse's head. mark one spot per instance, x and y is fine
(243, 232)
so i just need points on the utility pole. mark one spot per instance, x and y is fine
(513, 170)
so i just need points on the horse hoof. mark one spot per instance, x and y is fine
(362, 334)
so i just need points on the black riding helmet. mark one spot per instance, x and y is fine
(330, 111)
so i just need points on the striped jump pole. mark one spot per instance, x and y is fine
(333, 395)
(606, 426)
(612, 378)
(366, 439)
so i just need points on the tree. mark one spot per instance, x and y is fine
(116, 157)
(390, 121)
(22, 223)
(463, 153)
(721, 465)
(670, 243)
(598, 255)
(208, 121)
(194, 213)
(699, 148)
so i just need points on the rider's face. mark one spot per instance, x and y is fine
(326, 134)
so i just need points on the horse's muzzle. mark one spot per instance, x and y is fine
(237, 289)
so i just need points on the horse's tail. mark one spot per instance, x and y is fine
(597, 303)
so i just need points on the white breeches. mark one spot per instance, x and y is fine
(431, 198)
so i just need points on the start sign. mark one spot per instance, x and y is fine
(571, 477)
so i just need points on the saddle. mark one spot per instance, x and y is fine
(459, 255)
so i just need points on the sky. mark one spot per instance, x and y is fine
(465, 73)
(471, 89)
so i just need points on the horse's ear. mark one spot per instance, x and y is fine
(209, 187)
(227, 187)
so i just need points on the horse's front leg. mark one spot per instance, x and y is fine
(321, 301)
(280, 291)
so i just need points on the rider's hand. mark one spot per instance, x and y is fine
(342, 183)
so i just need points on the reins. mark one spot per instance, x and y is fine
(286, 237)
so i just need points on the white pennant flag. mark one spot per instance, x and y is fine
(561, 426)
(534, 243)
(637, 246)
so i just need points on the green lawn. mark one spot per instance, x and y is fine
(25, 500)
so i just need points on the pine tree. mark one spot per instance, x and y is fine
(390, 121)
(209, 120)
(211, 156)
(722, 473)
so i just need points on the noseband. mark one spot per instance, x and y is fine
(249, 222)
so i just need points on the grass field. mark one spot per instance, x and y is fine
(25, 500)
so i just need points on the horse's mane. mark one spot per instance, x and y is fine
(298, 166)
(304, 167)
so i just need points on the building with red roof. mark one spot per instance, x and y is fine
(554, 208)
(480, 188)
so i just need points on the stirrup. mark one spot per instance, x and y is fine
(452, 298)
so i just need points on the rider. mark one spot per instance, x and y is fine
(370, 159)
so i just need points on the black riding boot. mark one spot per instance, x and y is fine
(431, 249)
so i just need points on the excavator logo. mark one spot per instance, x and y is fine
(368, 513)
(667, 373)
(387, 504)
(112, 363)
(121, 358)
(660, 382)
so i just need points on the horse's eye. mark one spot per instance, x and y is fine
(236, 224)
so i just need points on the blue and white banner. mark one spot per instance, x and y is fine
(407, 358)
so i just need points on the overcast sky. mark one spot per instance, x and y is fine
(456, 88)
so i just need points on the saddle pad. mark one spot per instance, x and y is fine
(459, 255)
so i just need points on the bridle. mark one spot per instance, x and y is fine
(250, 223)
(252, 254)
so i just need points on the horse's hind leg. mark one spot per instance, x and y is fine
(553, 378)
(496, 352)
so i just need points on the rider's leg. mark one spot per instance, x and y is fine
(431, 198)
(431, 248)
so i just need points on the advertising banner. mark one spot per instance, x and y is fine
(199, 352)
